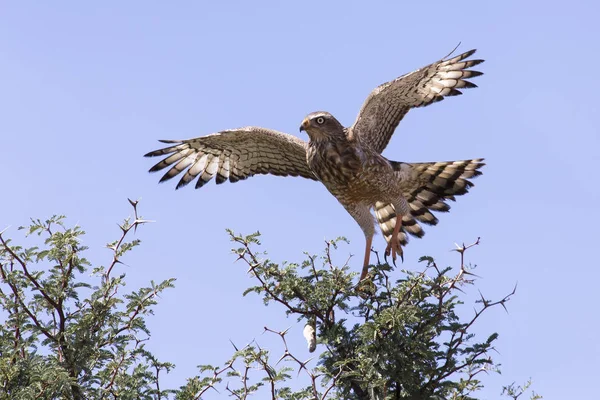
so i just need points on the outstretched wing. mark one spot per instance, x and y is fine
(427, 187)
(233, 154)
(388, 103)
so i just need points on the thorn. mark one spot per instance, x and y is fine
(134, 204)
(459, 289)
(285, 354)
(303, 365)
(465, 272)
(234, 346)
(458, 248)
(4, 230)
(483, 300)
(143, 221)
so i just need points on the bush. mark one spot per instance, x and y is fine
(386, 338)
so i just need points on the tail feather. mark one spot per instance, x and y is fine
(428, 187)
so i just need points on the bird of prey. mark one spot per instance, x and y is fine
(347, 160)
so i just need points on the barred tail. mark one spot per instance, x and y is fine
(428, 187)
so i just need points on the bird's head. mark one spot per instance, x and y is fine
(321, 125)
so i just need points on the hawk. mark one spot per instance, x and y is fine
(347, 160)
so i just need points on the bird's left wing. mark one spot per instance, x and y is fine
(388, 103)
(233, 155)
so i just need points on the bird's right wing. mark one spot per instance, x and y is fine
(233, 155)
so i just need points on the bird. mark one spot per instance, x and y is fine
(346, 160)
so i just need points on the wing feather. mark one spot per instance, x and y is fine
(428, 186)
(387, 104)
(233, 155)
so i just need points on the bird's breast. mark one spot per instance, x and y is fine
(334, 162)
(347, 170)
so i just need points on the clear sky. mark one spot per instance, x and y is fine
(87, 88)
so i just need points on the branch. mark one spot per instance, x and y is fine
(31, 278)
(253, 263)
(21, 302)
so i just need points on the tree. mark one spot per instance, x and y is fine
(67, 338)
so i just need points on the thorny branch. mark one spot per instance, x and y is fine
(54, 291)
(313, 375)
(253, 264)
(125, 228)
(16, 292)
(381, 297)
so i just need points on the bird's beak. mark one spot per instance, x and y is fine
(304, 125)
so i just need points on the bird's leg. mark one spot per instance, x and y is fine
(361, 212)
(393, 246)
(365, 269)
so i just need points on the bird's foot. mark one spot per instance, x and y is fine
(395, 249)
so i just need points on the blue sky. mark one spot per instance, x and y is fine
(88, 88)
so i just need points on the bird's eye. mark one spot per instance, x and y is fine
(320, 120)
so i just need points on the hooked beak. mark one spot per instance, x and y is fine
(304, 125)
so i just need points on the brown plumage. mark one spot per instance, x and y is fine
(347, 161)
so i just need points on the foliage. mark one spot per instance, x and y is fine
(66, 338)
(403, 338)
(515, 391)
